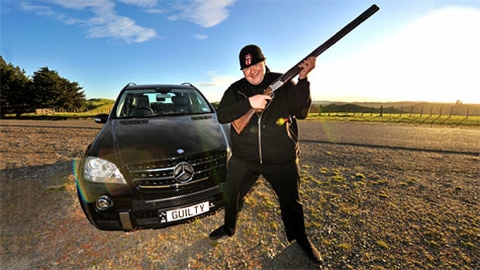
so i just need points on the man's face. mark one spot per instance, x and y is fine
(254, 74)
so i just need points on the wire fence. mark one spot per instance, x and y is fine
(53, 111)
(430, 110)
(454, 115)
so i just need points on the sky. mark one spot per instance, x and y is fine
(409, 50)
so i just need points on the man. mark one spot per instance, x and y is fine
(268, 145)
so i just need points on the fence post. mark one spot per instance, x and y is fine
(401, 110)
(421, 111)
(371, 112)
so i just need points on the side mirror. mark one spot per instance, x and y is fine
(101, 118)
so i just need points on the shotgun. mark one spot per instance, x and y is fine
(240, 123)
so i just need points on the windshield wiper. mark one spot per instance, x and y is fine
(156, 115)
(174, 113)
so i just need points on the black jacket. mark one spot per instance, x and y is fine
(266, 139)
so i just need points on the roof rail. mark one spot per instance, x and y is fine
(129, 84)
(189, 84)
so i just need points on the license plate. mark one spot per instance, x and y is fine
(187, 212)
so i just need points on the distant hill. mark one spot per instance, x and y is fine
(103, 105)
(397, 107)
(99, 105)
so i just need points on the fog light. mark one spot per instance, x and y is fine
(103, 203)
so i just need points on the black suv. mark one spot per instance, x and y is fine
(159, 159)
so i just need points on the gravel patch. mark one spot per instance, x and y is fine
(366, 208)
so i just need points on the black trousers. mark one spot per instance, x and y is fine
(283, 178)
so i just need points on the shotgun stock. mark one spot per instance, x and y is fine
(240, 123)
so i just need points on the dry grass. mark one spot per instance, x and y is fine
(396, 209)
(366, 208)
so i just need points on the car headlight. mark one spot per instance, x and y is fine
(102, 171)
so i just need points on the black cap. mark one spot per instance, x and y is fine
(250, 55)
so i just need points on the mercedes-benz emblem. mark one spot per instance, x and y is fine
(183, 172)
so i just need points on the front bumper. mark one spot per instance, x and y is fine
(135, 214)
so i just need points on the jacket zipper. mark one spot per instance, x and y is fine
(260, 137)
(259, 124)
(260, 132)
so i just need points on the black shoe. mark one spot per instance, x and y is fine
(310, 250)
(218, 233)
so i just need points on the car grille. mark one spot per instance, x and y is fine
(159, 174)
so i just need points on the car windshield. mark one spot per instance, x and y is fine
(153, 102)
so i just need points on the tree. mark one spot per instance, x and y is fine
(14, 89)
(20, 94)
(52, 91)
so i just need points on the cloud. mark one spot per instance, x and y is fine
(104, 22)
(149, 6)
(37, 9)
(141, 3)
(214, 88)
(206, 13)
(200, 36)
(119, 27)
(218, 81)
(173, 18)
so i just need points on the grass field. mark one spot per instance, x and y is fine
(99, 105)
(412, 119)
(415, 119)
(102, 105)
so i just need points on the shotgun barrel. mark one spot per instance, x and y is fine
(240, 123)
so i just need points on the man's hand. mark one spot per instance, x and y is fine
(307, 65)
(258, 102)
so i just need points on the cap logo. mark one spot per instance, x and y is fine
(248, 60)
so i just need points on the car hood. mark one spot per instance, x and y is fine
(143, 140)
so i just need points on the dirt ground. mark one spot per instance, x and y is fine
(366, 208)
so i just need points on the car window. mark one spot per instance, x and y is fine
(152, 102)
